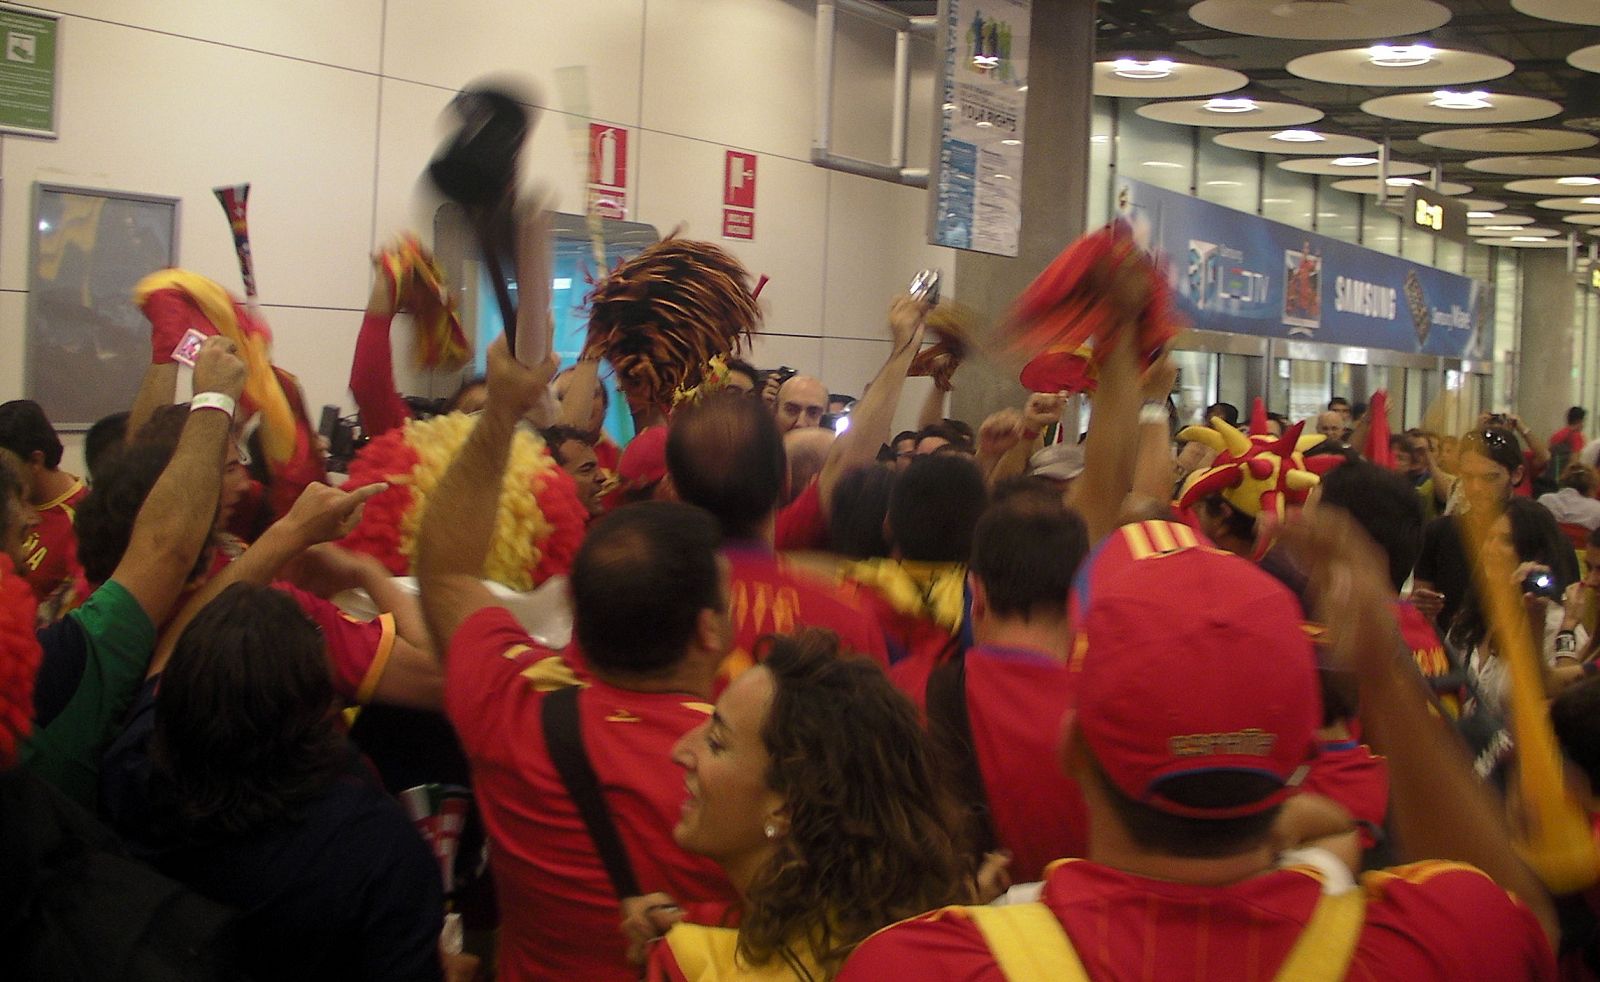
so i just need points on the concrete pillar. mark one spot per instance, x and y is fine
(1054, 186)
(1547, 347)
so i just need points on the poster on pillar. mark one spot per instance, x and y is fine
(977, 185)
(1237, 272)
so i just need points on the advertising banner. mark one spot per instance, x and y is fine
(977, 199)
(1237, 272)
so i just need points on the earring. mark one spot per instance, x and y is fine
(771, 830)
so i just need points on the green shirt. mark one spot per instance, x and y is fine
(94, 662)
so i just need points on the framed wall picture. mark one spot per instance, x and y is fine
(87, 343)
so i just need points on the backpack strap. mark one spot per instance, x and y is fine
(563, 740)
(1328, 943)
(1028, 943)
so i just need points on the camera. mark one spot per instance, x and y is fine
(1499, 419)
(1541, 584)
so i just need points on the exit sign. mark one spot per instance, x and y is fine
(1431, 211)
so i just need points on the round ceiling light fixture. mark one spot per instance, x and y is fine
(1224, 105)
(1404, 182)
(1142, 70)
(1578, 182)
(1354, 161)
(1299, 136)
(1400, 55)
(1476, 99)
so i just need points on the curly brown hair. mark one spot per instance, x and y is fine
(870, 838)
(660, 317)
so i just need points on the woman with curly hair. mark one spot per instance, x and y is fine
(814, 788)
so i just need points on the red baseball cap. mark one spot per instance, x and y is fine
(1194, 661)
(644, 459)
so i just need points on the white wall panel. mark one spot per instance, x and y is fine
(450, 44)
(681, 182)
(876, 243)
(736, 72)
(347, 33)
(302, 134)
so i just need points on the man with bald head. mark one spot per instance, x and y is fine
(801, 402)
(1331, 424)
(725, 455)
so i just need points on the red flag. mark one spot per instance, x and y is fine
(1377, 448)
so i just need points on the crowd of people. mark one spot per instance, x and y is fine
(817, 699)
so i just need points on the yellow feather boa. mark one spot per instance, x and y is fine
(933, 591)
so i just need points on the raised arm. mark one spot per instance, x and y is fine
(1540, 449)
(159, 388)
(933, 407)
(1152, 472)
(321, 514)
(372, 368)
(177, 516)
(1112, 444)
(873, 416)
(1426, 766)
(458, 525)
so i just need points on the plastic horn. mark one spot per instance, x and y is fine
(1555, 840)
(234, 198)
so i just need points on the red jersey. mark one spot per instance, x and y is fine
(358, 651)
(1529, 472)
(558, 911)
(1425, 921)
(607, 453)
(801, 523)
(1015, 702)
(1351, 774)
(1442, 677)
(767, 596)
(51, 547)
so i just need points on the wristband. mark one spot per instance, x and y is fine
(213, 400)
(1153, 412)
(1028, 434)
(1566, 642)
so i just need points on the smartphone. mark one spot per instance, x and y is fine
(1541, 584)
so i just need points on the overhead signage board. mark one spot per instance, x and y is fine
(28, 60)
(1237, 272)
(1431, 211)
(976, 202)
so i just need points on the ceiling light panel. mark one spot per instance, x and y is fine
(1320, 20)
(1401, 65)
(1425, 107)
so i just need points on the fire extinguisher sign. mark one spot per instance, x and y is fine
(608, 170)
(739, 195)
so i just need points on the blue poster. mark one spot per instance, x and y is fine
(1237, 272)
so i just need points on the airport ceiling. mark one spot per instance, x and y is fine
(1535, 121)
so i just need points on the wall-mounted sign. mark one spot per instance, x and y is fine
(739, 195)
(608, 171)
(977, 167)
(32, 41)
(1431, 211)
(1236, 272)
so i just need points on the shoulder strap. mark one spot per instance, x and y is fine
(1028, 943)
(563, 740)
(1328, 943)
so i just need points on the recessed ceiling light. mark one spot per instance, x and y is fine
(1002, 177)
(1480, 214)
(1445, 99)
(1501, 228)
(1299, 136)
(1160, 163)
(1589, 201)
(1224, 184)
(1403, 182)
(1231, 106)
(1578, 182)
(1011, 143)
(1135, 69)
(1354, 161)
(1526, 238)
(1399, 55)
(983, 124)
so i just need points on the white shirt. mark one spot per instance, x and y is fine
(1572, 507)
